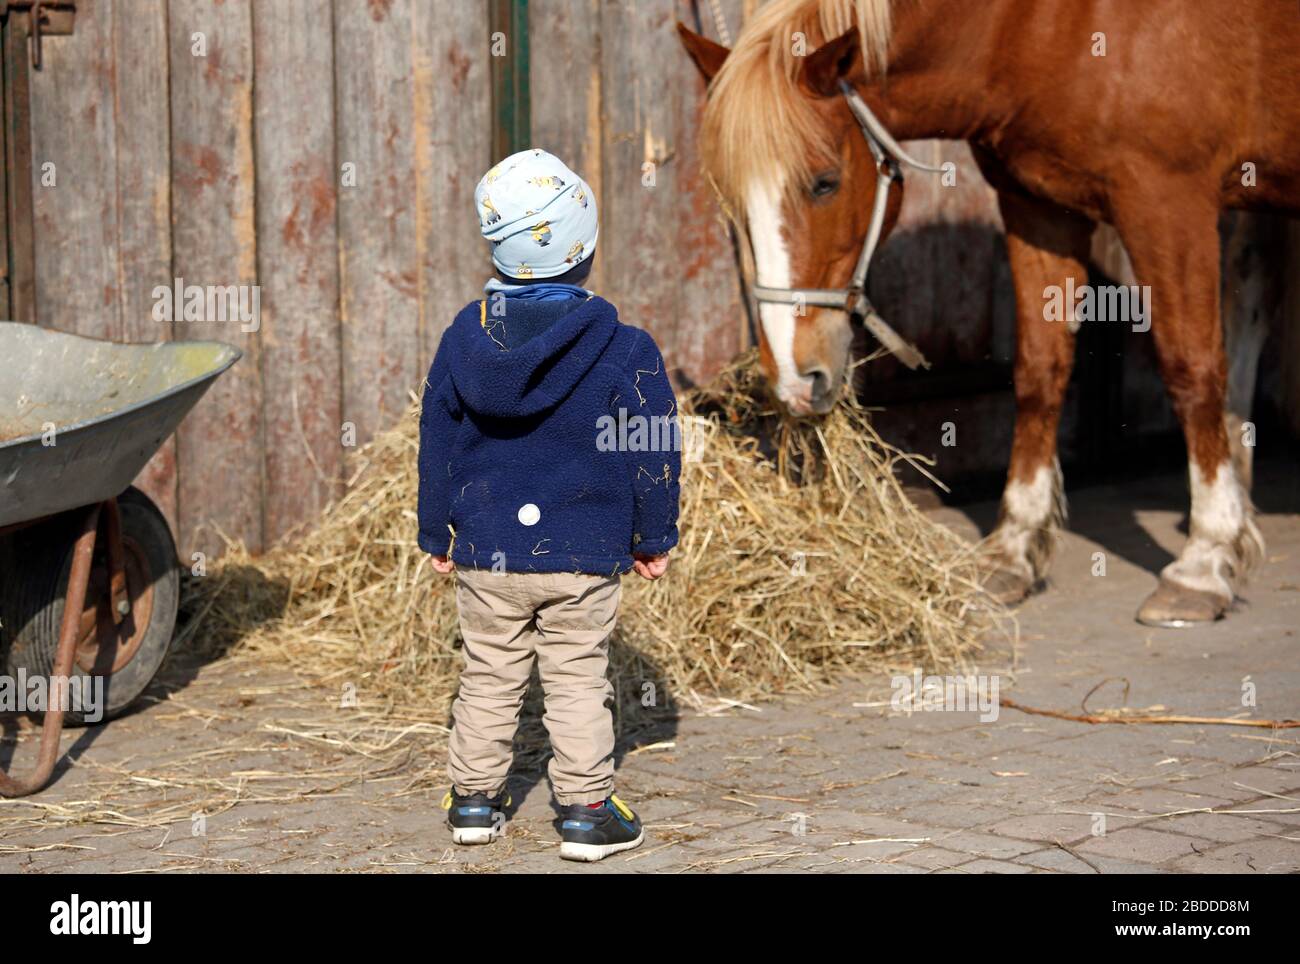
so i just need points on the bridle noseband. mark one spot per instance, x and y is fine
(890, 159)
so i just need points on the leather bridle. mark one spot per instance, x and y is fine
(890, 158)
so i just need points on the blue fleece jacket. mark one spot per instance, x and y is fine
(560, 454)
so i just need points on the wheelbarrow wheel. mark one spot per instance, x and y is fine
(122, 640)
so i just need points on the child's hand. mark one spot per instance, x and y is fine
(442, 564)
(650, 567)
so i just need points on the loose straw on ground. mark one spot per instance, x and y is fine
(1133, 717)
(801, 556)
(1150, 715)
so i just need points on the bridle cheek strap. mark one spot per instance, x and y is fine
(889, 158)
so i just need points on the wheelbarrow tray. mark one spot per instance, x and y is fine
(107, 407)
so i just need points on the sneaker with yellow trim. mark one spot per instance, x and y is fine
(594, 832)
(475, 818)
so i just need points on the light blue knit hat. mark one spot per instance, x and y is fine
(538, 214)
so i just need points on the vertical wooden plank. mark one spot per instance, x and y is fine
(452, 151)
(103, 234)
(642, 109)
(214, 243)
(511, 128)
(565, 48)
(565, 77)
(297, 257)
(142, 144)
(18, 187)
(379, 275)
(6, 188)
(76, 219)
(711, 328)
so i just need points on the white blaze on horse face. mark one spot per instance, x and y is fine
(772, 267)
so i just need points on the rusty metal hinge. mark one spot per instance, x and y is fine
(52, 18)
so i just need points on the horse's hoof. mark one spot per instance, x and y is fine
(1173, 606)
(1006, 586)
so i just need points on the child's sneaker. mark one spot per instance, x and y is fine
(595, 832)
(475, 818)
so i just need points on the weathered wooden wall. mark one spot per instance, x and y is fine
(327, 151)
(614, 94)
(103, 232)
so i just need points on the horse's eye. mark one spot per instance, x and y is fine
(824, 185)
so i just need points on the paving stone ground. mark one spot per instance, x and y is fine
(833, 784)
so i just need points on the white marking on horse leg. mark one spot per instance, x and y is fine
(1032, 513)
(772, 268)
(1218, 510)
(1224, 543)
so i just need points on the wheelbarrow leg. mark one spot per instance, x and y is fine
(73, 606)
(118, 594)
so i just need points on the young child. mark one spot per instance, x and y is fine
(539, 455)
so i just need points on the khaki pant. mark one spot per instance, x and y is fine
(564, 619)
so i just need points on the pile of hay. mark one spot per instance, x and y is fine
(800, 557)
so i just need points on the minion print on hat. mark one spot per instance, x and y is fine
(541, 217)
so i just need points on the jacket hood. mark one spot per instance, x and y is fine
(537, 375)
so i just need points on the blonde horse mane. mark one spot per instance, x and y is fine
(757, 123)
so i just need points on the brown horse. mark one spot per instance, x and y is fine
(1153, 117)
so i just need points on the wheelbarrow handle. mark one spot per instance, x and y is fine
(73, 606)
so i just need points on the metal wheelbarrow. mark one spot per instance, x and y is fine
(89, 578)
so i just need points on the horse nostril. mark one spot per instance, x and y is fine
(821, 381)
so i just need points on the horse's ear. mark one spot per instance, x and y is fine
(825, 66)
(708, 56)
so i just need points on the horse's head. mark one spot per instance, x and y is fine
(795, 173)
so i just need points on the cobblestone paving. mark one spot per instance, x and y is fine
(832, 784)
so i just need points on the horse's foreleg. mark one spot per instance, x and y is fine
(1048, 251)
(1174, 244)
